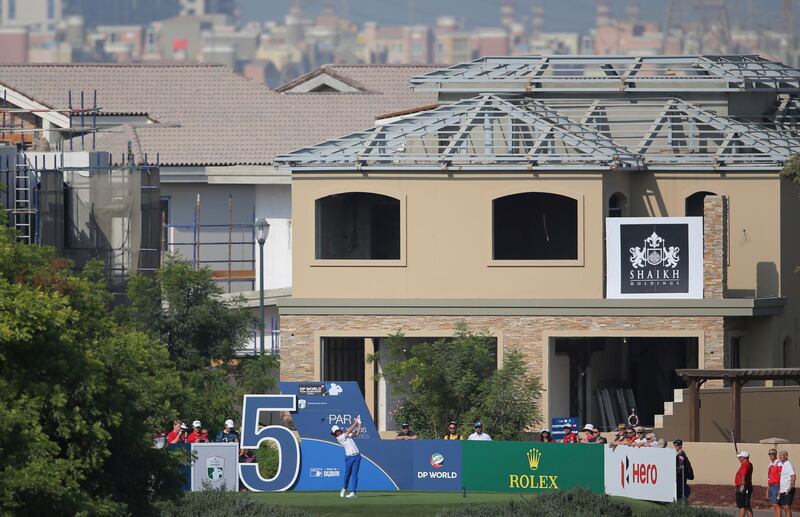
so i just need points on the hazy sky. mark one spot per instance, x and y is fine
(560, 15)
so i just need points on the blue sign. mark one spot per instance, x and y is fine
(557, 426)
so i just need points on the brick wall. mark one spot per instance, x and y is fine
(715, 222)
(524, 333)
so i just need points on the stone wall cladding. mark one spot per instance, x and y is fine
(524, 333)
(715, 215)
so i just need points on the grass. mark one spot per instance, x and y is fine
(400, 504)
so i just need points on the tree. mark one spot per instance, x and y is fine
(509, 402)
(791, 169)
(79, 395)
(456, 379)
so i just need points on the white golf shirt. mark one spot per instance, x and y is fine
(482, 437)
(350, 447)
(787, 471)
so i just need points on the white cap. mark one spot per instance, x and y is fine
(229, 423)
(743, 454)
(183, 426)
(588, 427)
(335, 428)
(197, 423)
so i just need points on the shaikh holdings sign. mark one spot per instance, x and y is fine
(640, 472)
(531, 466)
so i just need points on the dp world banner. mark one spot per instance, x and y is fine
(640, 473)
(531, 466)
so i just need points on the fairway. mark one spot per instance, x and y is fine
(329, 504)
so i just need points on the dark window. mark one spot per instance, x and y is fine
(694, 203)
(343, 360)
(534, 226)
(617, 204)
(736, 349)
(51, 9)
(358, 225)
(12, 9)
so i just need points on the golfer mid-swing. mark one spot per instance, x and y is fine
(352, 457)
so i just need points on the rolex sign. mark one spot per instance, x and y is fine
(654, 257)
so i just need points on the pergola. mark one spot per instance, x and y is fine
(736, 377)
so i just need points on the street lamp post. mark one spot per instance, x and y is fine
(262, 229)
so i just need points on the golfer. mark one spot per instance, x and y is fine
(352, 457)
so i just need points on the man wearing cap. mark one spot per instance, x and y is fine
(228, 434)
(479, 434)
(569, 436)
(452, 432)
(197, 434)
(788, 478)
(683, 471)
(744, 484)
(406, 433)
(352, 456)
(773, 481)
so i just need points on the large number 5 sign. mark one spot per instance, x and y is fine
(284, 439)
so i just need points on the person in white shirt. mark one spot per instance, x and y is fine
(479, 434)
(352, 456)
(788, 477)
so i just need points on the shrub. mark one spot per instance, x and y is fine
(267, 458)
(681, 510)
(575, 503)
(224, 504)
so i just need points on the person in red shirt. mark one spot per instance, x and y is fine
(198, 434)
(569, 436)
(774, 481)
(178, 433)
(744, 484)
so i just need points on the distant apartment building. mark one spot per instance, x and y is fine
(13, 45)
(119, 12)
(36, 14)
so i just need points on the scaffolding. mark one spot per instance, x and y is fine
(228, 250)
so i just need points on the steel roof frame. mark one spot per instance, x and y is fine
(709, 73)
(512, 132)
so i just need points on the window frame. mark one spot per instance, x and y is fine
(317, 262)
(579, 261)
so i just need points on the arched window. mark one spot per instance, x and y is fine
(617, 204)
(358, 225)
(694, 203)
(534, 226)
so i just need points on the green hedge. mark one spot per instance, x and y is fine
(217, 503)
(574, 503)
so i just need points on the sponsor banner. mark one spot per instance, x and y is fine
(215, 466)
(557, 426)
(531, 466)
(321, 405)
(322, 468)
(640, 472)
(436, 465)
(654, 257)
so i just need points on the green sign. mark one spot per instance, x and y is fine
(531, 466)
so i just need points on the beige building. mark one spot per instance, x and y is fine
(492, 209)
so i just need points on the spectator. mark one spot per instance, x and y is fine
(479, 434)
(744, 484)
(684, 472)
(544, 436)
(627, 437)
(569, 436)
(620, 433)
(788, 477)
(640, 438)
(452, 432)
(651, 440)
(178, 433)
(590, 435)
(246, 456)
(198, 434)
(406, 433)
(774, 481)
(228, 434)
(352, 456)
(601, 439)
(662, 443)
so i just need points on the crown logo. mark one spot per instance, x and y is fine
(533, 458)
